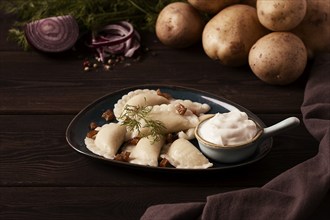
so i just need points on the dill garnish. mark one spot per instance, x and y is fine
(136, 118)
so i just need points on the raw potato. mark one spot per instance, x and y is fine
(281, 15)
(230, 34)
(314, 30)
(278, 58)
(179, 25)
(211, 6)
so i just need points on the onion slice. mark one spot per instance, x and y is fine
(53, 34)
(115, 39)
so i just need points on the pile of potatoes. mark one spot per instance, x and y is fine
(274, 37)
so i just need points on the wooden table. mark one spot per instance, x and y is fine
(42, 177)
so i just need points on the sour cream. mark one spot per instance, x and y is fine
(228, 129)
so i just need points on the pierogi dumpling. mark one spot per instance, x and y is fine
(172, 120)
(196, 107)
(139, 97)
(107, 141)
(183, 154)
(147, 151)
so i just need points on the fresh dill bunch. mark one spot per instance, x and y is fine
(19, 36)
(133, 116)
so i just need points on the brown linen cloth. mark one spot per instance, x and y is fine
(296, 193)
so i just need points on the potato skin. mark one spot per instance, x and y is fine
(179, 25)
(281, 15)
(212, 6)
(230, 34)
(278, 58)
(314, 30)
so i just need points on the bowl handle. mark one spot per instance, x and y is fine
(280, 127)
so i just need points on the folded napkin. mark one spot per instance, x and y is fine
(294, 194)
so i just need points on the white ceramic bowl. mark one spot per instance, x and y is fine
(237, 153)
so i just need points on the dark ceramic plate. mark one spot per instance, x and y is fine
(79, 126)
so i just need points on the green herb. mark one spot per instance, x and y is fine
(90, 14)
(133, 116)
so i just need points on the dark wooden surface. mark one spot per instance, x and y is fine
(41, 177)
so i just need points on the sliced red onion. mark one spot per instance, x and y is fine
(134, 46)
(53, 34)
(114, 39)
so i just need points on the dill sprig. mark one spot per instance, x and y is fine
(90, 14)
(134, 116)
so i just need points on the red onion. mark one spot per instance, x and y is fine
(114, 39)
(53, 34)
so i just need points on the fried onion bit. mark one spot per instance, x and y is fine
(181, 109)
(165, 95)
(164, 163)
(123, 156)
(91, 134)
(108, 115)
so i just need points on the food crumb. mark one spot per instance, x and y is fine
(108, 115)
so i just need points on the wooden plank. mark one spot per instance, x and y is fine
(44, 84)
(102, 202)
(92, 202)
(34, 152)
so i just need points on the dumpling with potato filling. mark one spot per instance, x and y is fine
(139, 97)
(183, 154)
(107, 141)
(196, 107)
(173, 121)
(147, 151)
